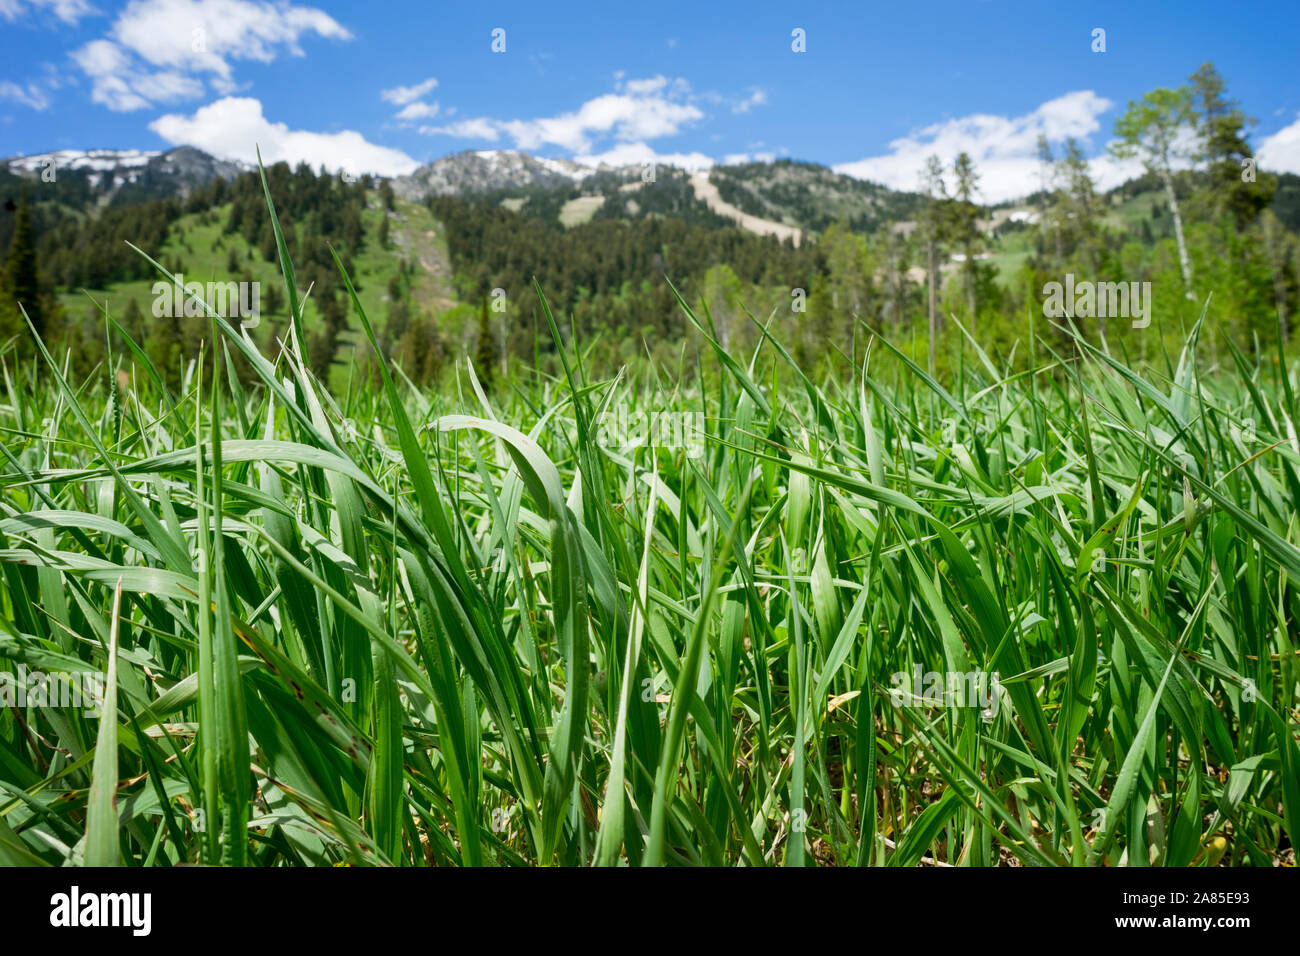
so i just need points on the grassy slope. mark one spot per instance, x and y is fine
(414, 233)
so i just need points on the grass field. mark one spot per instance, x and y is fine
(1041, 619)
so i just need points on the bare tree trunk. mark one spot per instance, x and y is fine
(1183, 260)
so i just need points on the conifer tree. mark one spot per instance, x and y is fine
(21, 283)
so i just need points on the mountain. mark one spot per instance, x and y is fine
(480, 171)
(120, 176)
(809, 196)
(178, 171)
(785, 198)
(120, 163)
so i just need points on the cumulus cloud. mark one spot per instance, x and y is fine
(1004, 148)
(67, 11)
(1281, 151)
(234, 127)
(156, 49)
(638, 110)
(120, 86)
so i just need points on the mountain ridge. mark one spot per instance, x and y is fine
(784, 197)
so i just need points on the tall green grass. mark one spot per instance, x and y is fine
(461, 629)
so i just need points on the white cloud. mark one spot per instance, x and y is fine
(1109, 172)
(1004, 148)
(638, 154)
(68, 11)
(646, 87)
(416, 111)
(233, 128)
(639, 110)
(31, 95)
(740, 159)
(177, 38)
(122, 87)
(408, 97)
(401, 95)
(1280, 152)
(613, 128)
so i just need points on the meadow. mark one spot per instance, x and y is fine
(371, 625)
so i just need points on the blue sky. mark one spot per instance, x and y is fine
(385, 86)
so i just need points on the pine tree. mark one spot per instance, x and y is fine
(21, 284)
(1048, 223)
(1221, 126)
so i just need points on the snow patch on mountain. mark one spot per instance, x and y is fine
(100, 160)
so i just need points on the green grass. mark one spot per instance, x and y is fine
(457, 629)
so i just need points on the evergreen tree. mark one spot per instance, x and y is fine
(1081, 206)
(1225, 152)
(21, 283)
(1048, 223)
